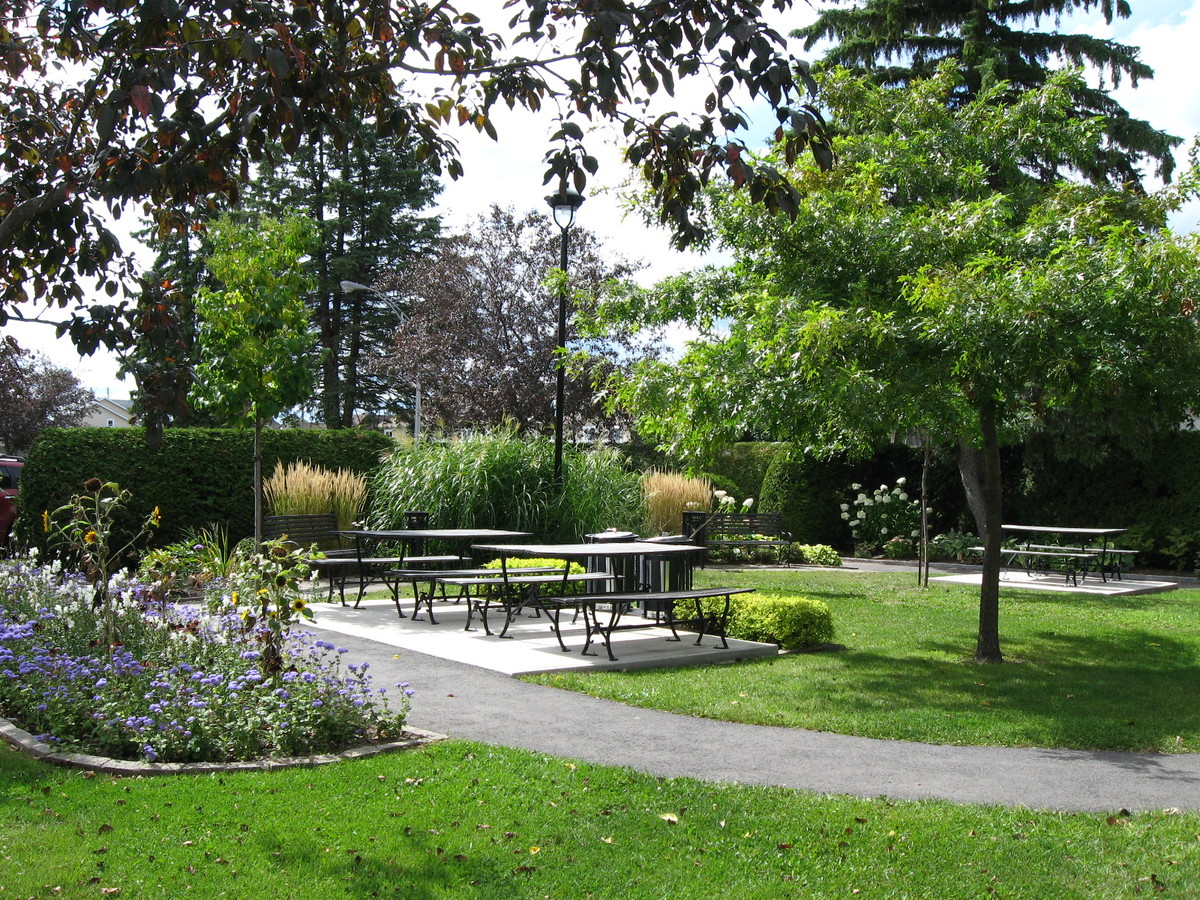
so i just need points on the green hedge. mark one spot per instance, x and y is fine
(791, 622)
(197, 477)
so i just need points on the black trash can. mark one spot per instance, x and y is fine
(627, 569)
(672, 573)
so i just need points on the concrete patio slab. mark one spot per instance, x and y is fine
(532, 647)
(1040, 581)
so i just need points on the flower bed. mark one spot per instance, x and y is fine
(215, 680)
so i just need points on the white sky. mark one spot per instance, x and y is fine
(510, 172)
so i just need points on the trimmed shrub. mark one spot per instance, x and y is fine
(791, 622)
(741, 468)
(806, 490)
(815, 554)
(198, 477)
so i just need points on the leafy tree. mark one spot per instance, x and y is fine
(255, 339)
(898, 41)
(910, 298)
(168, 104)
(367, 196)
(34, 395)
(481, 335)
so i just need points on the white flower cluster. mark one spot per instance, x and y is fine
(884, 514)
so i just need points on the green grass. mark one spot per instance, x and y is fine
(466, 820)
(1087, 672)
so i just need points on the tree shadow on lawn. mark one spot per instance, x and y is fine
(1131, 689)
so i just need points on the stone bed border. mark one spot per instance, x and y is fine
(26, 743)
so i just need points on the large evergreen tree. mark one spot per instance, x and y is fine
(897, 41)
(367, 196)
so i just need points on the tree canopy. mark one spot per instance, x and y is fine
(35, 395)
(370, 201)
(910, 298)
(898, 41)
(480, 330)
(169, 104)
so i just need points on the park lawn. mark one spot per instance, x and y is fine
(1081, 671)
(459, 819)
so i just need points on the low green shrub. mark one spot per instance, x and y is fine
(953, 546)
(900, 548)
(791, 622)
(815, 554)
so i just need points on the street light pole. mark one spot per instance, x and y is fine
(351, 287)
(564, 204)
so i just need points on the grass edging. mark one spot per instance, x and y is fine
(28, 744)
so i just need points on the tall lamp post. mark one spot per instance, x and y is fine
(564, 204)
(351, 287)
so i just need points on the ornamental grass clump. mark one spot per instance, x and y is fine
(669, 494)
(304, 489)
(188, 682)
(506, 480)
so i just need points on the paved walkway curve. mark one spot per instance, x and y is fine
(463, 701)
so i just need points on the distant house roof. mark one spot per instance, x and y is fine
(109, 413)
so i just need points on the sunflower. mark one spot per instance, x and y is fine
(298, 605)
(90, 538)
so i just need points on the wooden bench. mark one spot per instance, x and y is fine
(748, 530)
(1075, 562)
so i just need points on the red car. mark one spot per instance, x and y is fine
(10, 478)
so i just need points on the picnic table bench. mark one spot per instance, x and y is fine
(1075, 563)
(662, 603)
(1075, 553)
(514, 588)
(749, 530)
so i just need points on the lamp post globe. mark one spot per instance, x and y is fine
(564, 205)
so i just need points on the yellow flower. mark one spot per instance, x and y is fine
(298, 605)
(45, 521)
(90, 537)
(233, 598)
(156, 517)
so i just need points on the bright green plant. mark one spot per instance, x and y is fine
(504, 480)
(815, 554)
(791, 622)
(551, 589)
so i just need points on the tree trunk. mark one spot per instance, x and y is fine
(970, 470)
(987, 647)
(258, 482)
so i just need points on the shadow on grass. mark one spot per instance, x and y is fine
(1130, 689)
